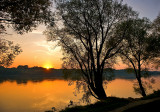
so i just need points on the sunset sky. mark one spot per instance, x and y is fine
(38, 52)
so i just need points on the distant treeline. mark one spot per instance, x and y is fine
(37, 74)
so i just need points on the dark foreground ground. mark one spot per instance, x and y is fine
(151, 103)
(149, 107)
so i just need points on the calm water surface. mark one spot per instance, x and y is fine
(42, 96)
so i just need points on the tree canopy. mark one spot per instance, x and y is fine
(24, 15)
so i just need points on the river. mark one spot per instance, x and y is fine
(43, 95)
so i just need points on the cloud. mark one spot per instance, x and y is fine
(49, 48)
(37, 32)
(39, 29)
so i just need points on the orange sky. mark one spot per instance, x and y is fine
(38, 52)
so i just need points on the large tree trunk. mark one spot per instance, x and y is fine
(143, 93)
(99, 90)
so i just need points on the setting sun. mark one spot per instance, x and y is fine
(48, 66)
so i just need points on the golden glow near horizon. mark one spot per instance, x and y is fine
(37, 51)
(48, 66)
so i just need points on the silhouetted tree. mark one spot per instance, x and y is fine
(136, 51)
(22, 16)
(86, 37)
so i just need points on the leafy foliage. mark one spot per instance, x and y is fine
(24, 15)
(8, 51)
(156, 25)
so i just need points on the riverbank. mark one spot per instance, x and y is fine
(114, 104)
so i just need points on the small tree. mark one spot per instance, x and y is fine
(136, 51)
(154, 42)
(86, 37)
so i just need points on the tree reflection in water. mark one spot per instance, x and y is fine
(75, 77)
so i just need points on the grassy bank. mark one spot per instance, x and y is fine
(111, 103)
